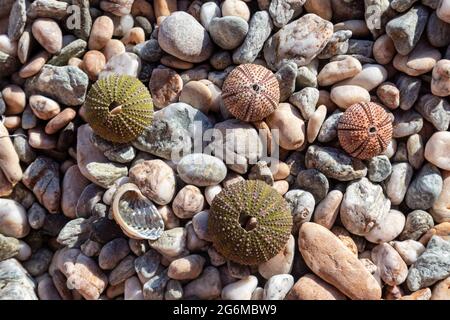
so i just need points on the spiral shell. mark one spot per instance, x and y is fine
(119, 108)
(136, 215)
(365, 130)
(251, 92)
(250, 222)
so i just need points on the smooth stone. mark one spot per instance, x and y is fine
(180, 29)
(172, 243)
(235, 8)
(286, 77)
(67, 85)
(334, 164)
(435, 110)
(371, 76)
(47, 32)
(311, 287)
(419, 61)
(409, 250)
(74, 50)
(305, 100)
(379, 168)
(393, 270)
(126, 63)
(299, 41)
(93, 164)
(363, 207)
(197, 95)
(9, 161)
(188, 202)
(441, 290)
(149, 51)
(133, 289)
(415, 148)
(328, 130)
(43, 107)
(155, 179)
(437, 150)
(409, 90)
(72, 187)
(397, 183)
(332, 261)
(9, 247)
(346, 95)
(418, 222)
(228, 32)
(389, 95)
(19, 285)
(165, 86)
(36, 216)
(34, 65)
(240, 290)
(14, 98)
(433, 265)
(406, 123)
(278, 286)
(443, 11)
(201, 170)
(327, 210)
(208, 12)
(440, 79)
(147, 265)
(336, 71)
(425, 188)
(390, 226)
(260, 28)
(154, 288)
(200, 224)
(208, 286)
(186, 268)
(314, 182)
(38, 262)
(112, 48)
(437, 31)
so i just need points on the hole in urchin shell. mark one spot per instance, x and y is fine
(248, 222)
(372, 130)
(115, 107)
(256, 87)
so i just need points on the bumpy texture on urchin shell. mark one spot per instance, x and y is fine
(123, 124)
(251, 92)
(365, 130)
(251, 198)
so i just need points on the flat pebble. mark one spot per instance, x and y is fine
(240, 290)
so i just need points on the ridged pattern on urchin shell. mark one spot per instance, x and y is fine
(251, 92)
(252, 198)
(365, 130)
(136, 108)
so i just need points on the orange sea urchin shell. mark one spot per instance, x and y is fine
(365, 130)
(251, 92)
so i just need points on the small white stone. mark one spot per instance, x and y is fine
(278, 286)
(240, 290)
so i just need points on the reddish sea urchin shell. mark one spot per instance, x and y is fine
(251, 92)
(365, 130)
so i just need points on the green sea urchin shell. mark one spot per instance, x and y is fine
(250, 222)
(119, 108)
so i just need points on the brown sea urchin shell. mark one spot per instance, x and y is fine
(251, 92)
(365, 130)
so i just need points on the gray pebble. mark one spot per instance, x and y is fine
(328, 131)
(74, 49)
(91, 248)
(123, 271)
(360, 47)
(9, 247)
(406, 123)
(207, 286)
(17, 283)
(402, 5)
(438, 31)
(417, 223)
(406, 29)
(401, 155)
(220, 60)
(201, 169)
(147, 265)
(302, 206)
(397, 183)
(305, 100)
(409, 90)
(74, 233)
(416, 148)
(84, 19)
(174, 290)
(209, 11)
(433, 265)
(8, 64)
(435, 110)
(306, 78)
(315, 182)
(29, 119)
(36, 216)
(154, 288)
(144, 23)
(38, 262)
(237, 270)
(282, 11)
(425, 188)
(112, 253)
(261, 171)
(338, 44)
(286, 77)
(149, 51)
(17, 19)
(2, 105)
(24, 150)
(90, 196)
(379, 168)
(122, 153)
(228, 32)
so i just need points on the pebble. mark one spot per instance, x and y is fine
(409, 250)
(308, 34)
(327, 210)
(155, 179)
(149, 51)
(147, 265)
(288, 121)
(437, 150)
(112, 48)
(188, 201)
(443, 11)
(311, 287)
(180, 29)
(72, 50)
(67, 85)
(281, 263)
(93, 63)
(440, 79)
(301, 204)
(431, 266)
(38, 262)
(334, 164)
(154, 288)
(260, 27)
(73, 185)
(198, 95)
(306, 100)
(200, 224)
(165, 86)
(371, 76)
(425, 188)
(406, 123)
(278, 286)
(336, 71)
(235, 8)
(228, 32)
(60, 121)
(43, 107)
(93, 164)
(34, 65)
(337, 45)
(208, 286)
(441, 207)
(441, 290)
(82, 274)
(388, 228)
(418, 222)
(90, 196)
(435, 110)
(174, 290)
(47, 32)
(9, 247)
(409, 90)
(328, 130)
(437, 31)
(315, 123)
(14, 98)
(315, 182)
(116, 7)
(419, 61)
(172, 243)
(18, 283)
(209, 11)
(39, 140)
(442, 230)
(133, 36)
(201, 170)
(286, 77)
(126, 63)
(406, 29)
(186, 268)
(123, 271)
(397, 183)
(363, 207)
(240, 290)
(389, 95)
(393, 270)
(328, 257)
(112, 253)
(346, 95)
(133, 289)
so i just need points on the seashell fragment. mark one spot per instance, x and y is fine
(136, 215)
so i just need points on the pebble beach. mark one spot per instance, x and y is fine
(224, 150)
